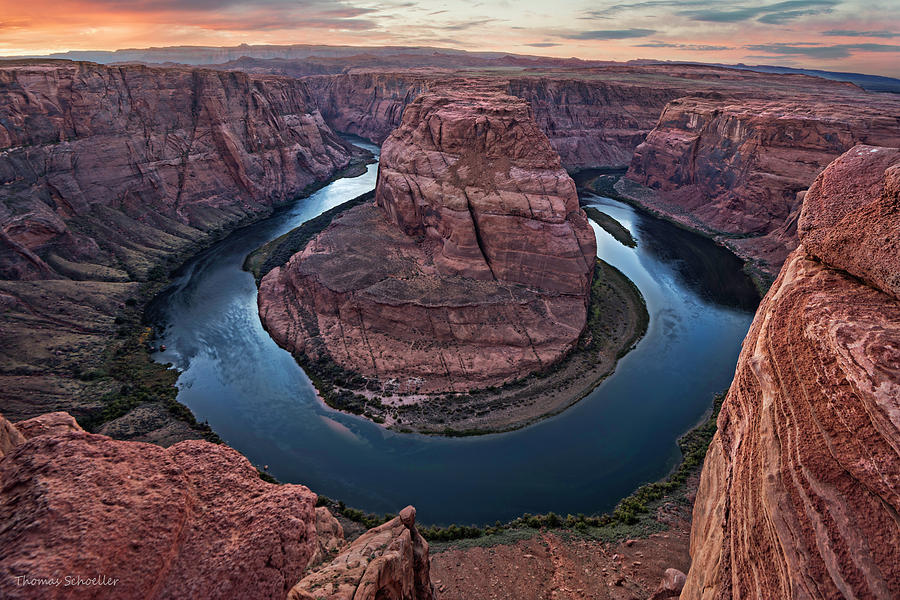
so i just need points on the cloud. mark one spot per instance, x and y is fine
(463, 25)
(609, 34)
(854, 33)
(820, 51)
(543, 44)
(694, 47)
(770, 13)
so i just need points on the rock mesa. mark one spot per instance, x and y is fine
(472, 269)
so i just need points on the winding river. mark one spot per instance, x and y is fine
(582, 461)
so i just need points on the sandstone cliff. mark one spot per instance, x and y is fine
(107, 173)
(594, 122)
(800, 490)
(472, 270)
(367, 103)
(104, 169)
(191, 521)
(737, 166)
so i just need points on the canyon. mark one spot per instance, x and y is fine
(111, 175)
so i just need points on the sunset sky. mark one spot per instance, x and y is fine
(848, 35)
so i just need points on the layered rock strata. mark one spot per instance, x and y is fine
(472, 269)
(103, 168)
(729, 152)
(738, 166)
(800, 490)
(191, 521)
(106, 173)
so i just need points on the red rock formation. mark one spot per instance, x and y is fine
(476, 271)
(800, 490)
(191, 521)
(737, 165)
(472, 173)
(114, 167)
(389, 562)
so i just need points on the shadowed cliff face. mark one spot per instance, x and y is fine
(106, 169)
(472, 270)
(738, 166)
(800, 490)
(191, 521)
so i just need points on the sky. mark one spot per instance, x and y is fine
(860, 36)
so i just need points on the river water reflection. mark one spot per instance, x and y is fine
(582, 461)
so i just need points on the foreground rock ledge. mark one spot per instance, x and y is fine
(190, 521)
(473, 269)
(800, 489)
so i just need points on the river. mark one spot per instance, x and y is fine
(256, 397)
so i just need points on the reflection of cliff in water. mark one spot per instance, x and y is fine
(708, 269)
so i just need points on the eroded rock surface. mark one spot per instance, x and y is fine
(103, 168)
(389, 562)
(800, 490)
(106, 175)
(473, 269)
(191, 521)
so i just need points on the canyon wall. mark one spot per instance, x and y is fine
(107, 173)
(800, 489)
(724, 151)
(590, 122)
(191, 521)
(473, 269)
(367, 103)
(736, 167)
(105, 169)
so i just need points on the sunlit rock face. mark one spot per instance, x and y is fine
(472, 269)
(800, 491)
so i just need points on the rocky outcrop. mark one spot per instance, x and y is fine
(800, 490)
(389, 562)
(194, 520)
(737, 166)
(472, 270)
(470, 171)
(111, 518)
(671, 585)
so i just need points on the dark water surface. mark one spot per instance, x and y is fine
(584, 460)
